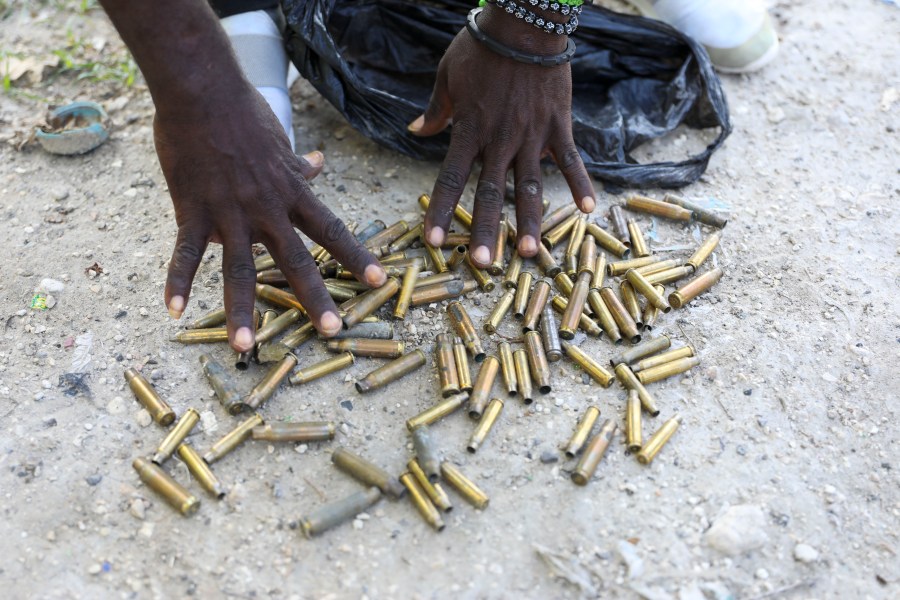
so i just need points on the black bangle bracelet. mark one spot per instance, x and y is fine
(520, 11)
(530, 59)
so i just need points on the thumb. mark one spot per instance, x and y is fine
(439, 112)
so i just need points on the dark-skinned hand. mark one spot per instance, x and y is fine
(509, 115)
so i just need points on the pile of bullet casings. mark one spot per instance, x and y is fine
(580, 288)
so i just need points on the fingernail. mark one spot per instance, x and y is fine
(588, 204)
(527, 245)
(375, 276)
(176, 307)
(243, 339)
(482, 255)
(330, 324)
(315, 158)
(417, 124)
(436, 236)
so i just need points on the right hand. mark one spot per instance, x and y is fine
(235, 181)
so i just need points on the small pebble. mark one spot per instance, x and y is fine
(93, 480)
(761, 574)
(95, 569)
(805, 553)
(549, 457)
(143, 418)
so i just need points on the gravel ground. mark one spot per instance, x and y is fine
(780, 483)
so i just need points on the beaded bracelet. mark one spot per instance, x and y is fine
(524, 57)
(531, 18)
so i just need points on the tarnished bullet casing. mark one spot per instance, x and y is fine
(638, 243)
(582, 431)
(558, 216)
(464, 486)
(564, 284)
(550, 335)
(366, 472)
(631, 303)
(370, 348)
(546, 263)
(162, 483)
(536, 304)
(421, 501)
(576, 236)
(436, 279)
(222, 384)
(638, 203)
(232, 439)
(433, 490)
(275, 351)
(584, 322)
(270, 382)
(537, 362)
(513, 269)
(571, 317)
(333, 514)
(370, 330)
(656, 267)
(500, 310)
(427, 454)
(496, 266)
(604, 316)
(448, 376)
(436, 256)
(595, 450)
(644, 288)
(173, 439)
(523, 376)
(278, 297)
(211, 335)
(390, 372)
(705, 216)
(462, 365)
(443, 291)
(669, 275)
(268, 316)
(663, 371)
(587, 256)
(323, 368)
(694, 288)
(658, 440)
(381, 241)
(301, 431)
(159, 410)
(590, 366)
(457, 256)
(406, 291)
(659, 359)
(485, 424)
(338, 293)
(267, 261)
(464, 328)
(646, 348)
(479, 275)
(607, 241)
(508, 368)
(370, 302)
(630, 381)
(620, 315)
(242, 359)
(481, 389)
(704, 250)
(453, 239)
(438, 411)
(370, 230)
(620, 267)
(407, 239)
(523, 291)
(620, 227)
(633, 435)
(554, 236)
(212, 319)
(462, 215)
(651, 313)
(201, 471)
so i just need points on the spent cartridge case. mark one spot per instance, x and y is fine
(646, 289)
(587, 256)
(508, 368)
(266, 261)
(278, 297)
(222, 384)
(462, 365)
(630, 381)
(546, 263)
(576, 236)
(159, 410)
(268, 316)
(620, 315)
(410, 276)
(370, 302)
(631, 303)
(433, 490)
(659, 439)
(485, 424)
(436, 279)
(210, 335)
(571, 317)
(275, 326)
(537, 362)
(523, 291)
(554, 236)
(464, 328)
(523, 376)
(570, 265)
(656, 267)
(454, 239)
(213, 319)
(481, 389)
(550, 335)
(321, 369)
(365, 347)
(669, 275)
(333, 514)
(232, 439)
(659, 359)
(694, 288)
(536, 304)
(162, 483)
(443, 291)
(457, 256)
(589, 365)
(665, 370)
(564, 284)
(370, 330)
(557, 216)
(607, 241)
(595, 450)
(651, 313)
(383, 239)
(582, 431)
(513, 269)
(620, 267)
(496, 266)
(646, 348)
(446, 365)
(619, 225)
(500, 310)
(604, 316)
(638, 203)
(366, 233)
(633, 435)
(584, 322)
(705, 216)
(464, 486)
(427, 454)
(406, 240)
(639, 246)
(338, 293)
(599, 272)
(436, 256)
(176, 435)
(702, 253)
(201, 471)
(366, 472)
(421, 501)
(275, 351)
(390, 372)
(270, 382)
(437, 412)
(479, 275)
(309, 431)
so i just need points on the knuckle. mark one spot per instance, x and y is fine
(570, 160)
(299, 260)
(186, 254)
(450, 180)
(489, 195)
(528, 188)
(335, 229)
(240, 272)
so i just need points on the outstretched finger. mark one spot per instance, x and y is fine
(239, 273)
(450, 182)
(488, 204)
(529, 194)
(190, 244)
(569, 161)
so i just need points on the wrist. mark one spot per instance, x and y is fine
(516, 33)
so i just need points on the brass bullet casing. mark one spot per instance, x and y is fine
(454, 239)
(523, 291)
(607, 241)
(176, 435)
(513, 269)
(582, 431)
(162, 483)
(656, 267)
(550, 335)
(584, 322)
(275, 351)
(370, 230)
(537, 362)
(546, 263)
(570, 266)
(648, 347)
(500, 310)
(390, 372)
(666, 370)
(659, 359)
(485, 424)
(381, 241)
(210, 335)
(433, 490)
(702, 253)
(587, 256)
(633, 435)
(620, 227)
(278, 297)
(575, 307)
(232, 439)
(631, 303)
(464, 486)
(604, 316)
(443, 291)
(484, 383)
(620, 267)
(242, 359)
(496, 266)
(370, 302)
(222, 384)
(267, 318)
(659, 439)
(436, 279)
(406, 290)
(694, 288)
(628, 379)
(669, 275)
(620, 315)
(651, 313)
(159, 410)
(421, 501)
(427, 454)
(638, 203)
(564, 284)
(523, 376)
(201, 471)
(595, 450)
(366, 472)
(705, 216)
(558, 216)
(438, 411)
(479, 275)
(308, 431)
(457, 256)
(462, 365)
(446, 365)
(508, 368)
(270, 382)
(539, 297)
(405, 258)
(645, 289)
(338, 293)
(576, 236)
(364, 347)
(589, 365)
(407, 239)
(266, 261)
(331, 515)
(464, 328)
(369, 330)
(213, 319)
(554, 236)
(436, 256)
(321, 369)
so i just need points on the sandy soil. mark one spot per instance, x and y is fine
(793, 410)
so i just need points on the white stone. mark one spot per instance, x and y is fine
(738, 529)
(805, 553)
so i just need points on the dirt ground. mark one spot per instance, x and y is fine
(792, 416)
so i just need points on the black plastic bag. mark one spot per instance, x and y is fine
(634, 79)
